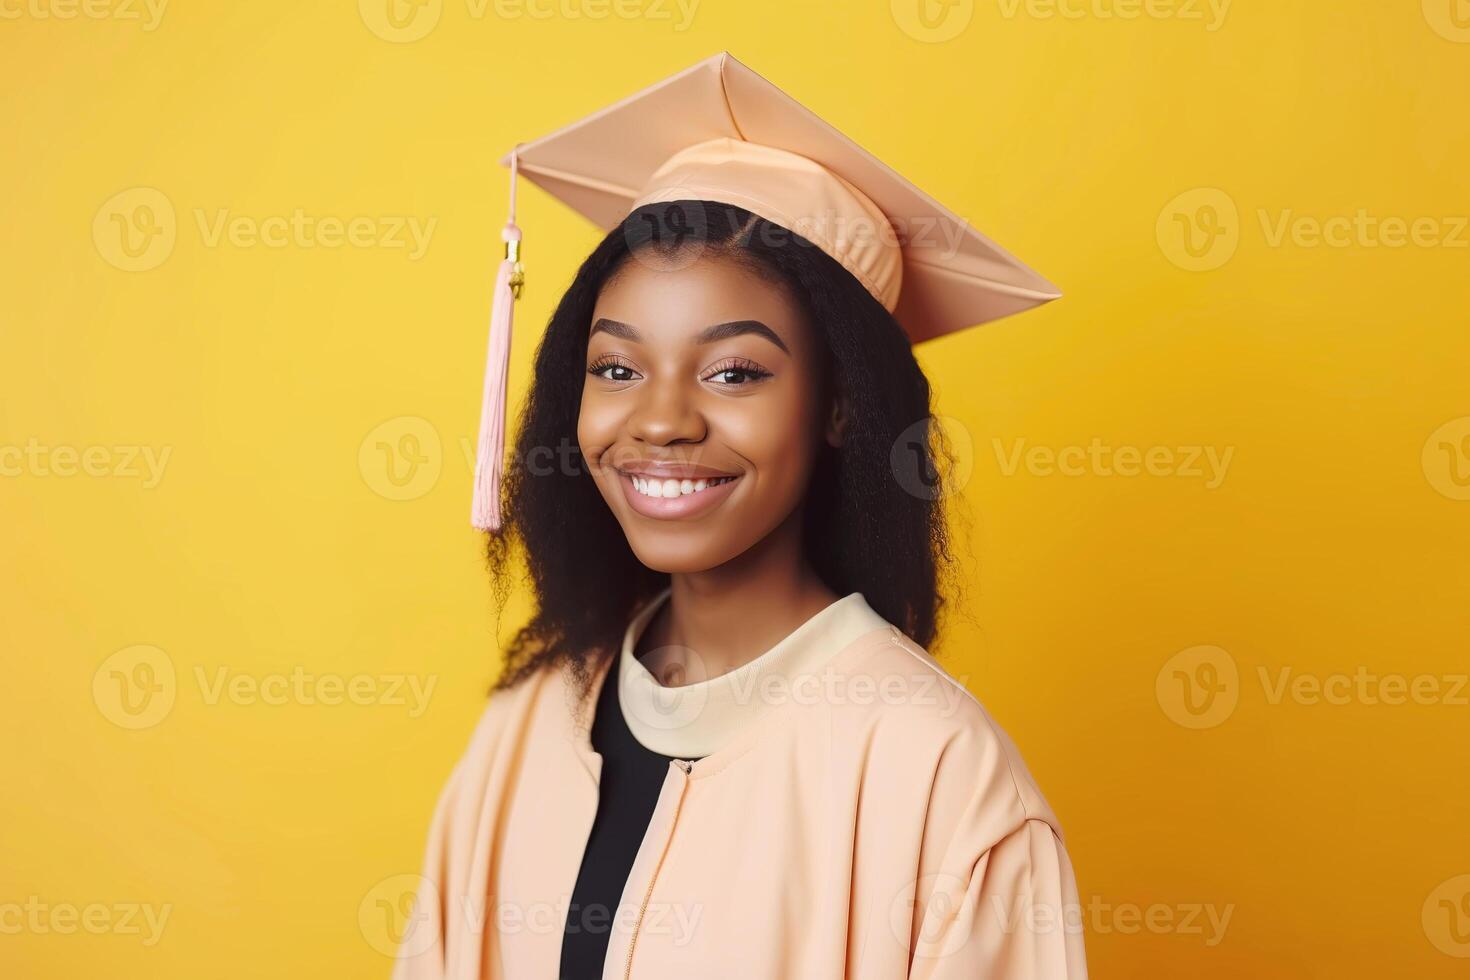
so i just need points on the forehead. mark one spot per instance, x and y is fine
(683, 295)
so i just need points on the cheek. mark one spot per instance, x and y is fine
(777, 436)
(597, 426)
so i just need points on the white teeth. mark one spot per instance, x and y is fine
(674, 488)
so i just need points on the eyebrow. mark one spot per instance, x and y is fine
(710, 334)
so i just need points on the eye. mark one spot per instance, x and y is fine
(736, 372)
(613, 368)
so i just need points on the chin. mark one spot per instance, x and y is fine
(680, 550)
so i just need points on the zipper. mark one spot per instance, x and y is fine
(685, 765)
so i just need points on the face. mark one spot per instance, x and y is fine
(701, 410)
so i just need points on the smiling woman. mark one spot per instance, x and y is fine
(670, 488)
(719, 747)
(736, 404)
(746, 357)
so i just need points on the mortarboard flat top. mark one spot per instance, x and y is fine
(601, 166)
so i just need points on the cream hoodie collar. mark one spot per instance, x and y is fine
(696, 720)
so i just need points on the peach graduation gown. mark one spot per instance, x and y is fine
(855, 814)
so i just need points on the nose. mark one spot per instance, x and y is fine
(666, 413)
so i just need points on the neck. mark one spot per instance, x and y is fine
(716, 621)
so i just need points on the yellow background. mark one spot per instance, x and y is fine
(274, 377)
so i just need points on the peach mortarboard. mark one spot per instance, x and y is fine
(719, 132)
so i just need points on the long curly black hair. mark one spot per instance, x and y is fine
(874, 519)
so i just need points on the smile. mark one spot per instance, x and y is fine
(675, 498)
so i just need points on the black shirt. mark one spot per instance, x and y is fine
(628, 789)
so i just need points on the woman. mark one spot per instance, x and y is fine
(719, 748)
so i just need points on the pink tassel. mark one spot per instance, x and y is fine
(490, 457)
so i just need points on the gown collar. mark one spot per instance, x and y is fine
(692, 721)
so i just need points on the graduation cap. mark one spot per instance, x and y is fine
(719, 132)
